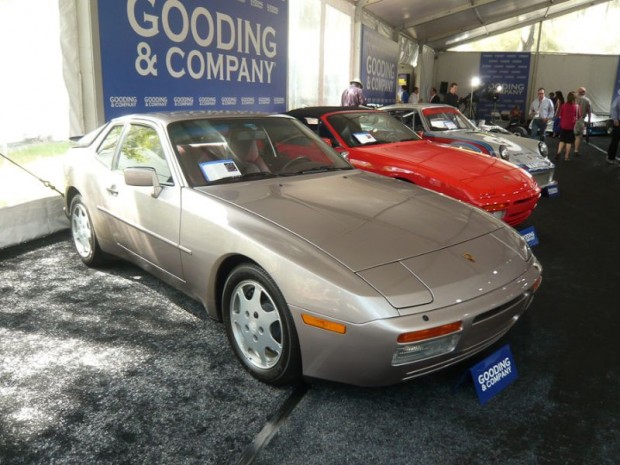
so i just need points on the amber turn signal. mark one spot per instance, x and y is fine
(430, 333)
(324, 324)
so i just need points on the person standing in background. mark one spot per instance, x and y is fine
(559, 101)
(434, 97)
(415, 95)
(404, 95)
(451, 97)
(582, 123)
(615, 132)
(353, 96)
(541, 111)
(568, 116)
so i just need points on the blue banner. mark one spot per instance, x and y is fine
(379, 67)
(510, 71)
(167, 55)
(494, 374)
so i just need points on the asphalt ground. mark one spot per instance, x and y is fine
(110, 366)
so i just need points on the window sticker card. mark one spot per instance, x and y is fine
(219, 169)
(364, 137)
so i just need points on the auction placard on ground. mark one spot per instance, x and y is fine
(494, 374)
(168, 55)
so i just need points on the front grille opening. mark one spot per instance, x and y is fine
(497, 310)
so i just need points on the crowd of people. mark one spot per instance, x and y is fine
(571, 116)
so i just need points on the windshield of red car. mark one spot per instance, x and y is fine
(221, 150)
(358, 128)
(442, 120)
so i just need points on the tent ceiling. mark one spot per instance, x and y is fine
(443, 24)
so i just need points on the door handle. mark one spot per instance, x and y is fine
(112, 190)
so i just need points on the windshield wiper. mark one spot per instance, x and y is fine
(317, 169)
(243, 177)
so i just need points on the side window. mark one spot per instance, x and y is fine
(105, 152)
(142, 148)
(418, 126)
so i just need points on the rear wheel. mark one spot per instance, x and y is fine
(260, 327)
(83, 233)
(518, 131)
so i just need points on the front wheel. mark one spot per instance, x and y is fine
(260, 327)
(83, 233)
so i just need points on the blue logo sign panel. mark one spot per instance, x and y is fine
(552, 191)
(510, 71)
(379, 67)
(529, 234)
(168, 55)
(494, 374)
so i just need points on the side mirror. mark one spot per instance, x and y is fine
(143, 177)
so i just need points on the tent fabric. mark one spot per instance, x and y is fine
(69, 44)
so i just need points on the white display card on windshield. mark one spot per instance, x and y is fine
(219, 169)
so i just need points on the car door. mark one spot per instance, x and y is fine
(145, 225)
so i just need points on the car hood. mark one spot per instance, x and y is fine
(521, 151)
(360, 219)
(482, 176)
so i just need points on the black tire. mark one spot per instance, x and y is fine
(518, 131)
(83, 234)
(259, 326)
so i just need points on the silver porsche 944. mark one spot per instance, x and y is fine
(316, 269)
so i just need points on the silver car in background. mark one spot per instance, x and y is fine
(316, 269)
(446, 124)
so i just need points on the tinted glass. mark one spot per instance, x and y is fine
(366, 128)
(233, 149)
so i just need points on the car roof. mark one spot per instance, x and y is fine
(170, 117)
(416, 106)
(316, 112)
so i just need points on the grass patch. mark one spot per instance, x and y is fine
(26, 153)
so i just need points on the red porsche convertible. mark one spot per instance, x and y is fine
(374, 141)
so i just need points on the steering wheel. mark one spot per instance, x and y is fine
(293, 161)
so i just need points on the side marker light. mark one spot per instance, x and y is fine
(324, 324)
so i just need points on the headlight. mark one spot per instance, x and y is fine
(499, 214)
(418, 345)
(521, 244)
(503, 152)
(543, 149)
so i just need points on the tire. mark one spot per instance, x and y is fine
(518, 131)
(83, 234)
(259, 326)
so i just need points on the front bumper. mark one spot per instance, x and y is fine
(364, 355)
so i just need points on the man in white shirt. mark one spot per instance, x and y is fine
(415, 95)
(541, 111)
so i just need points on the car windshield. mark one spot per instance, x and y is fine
(221, 150)
(358, 128)
(442, 120)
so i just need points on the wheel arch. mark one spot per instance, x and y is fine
(223, 272)
(70, 194)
